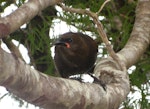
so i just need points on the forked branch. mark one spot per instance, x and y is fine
(99, 27)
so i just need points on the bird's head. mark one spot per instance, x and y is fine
(64, 41)
(75, 44)
(70, 42)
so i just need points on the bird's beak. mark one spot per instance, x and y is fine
(58, 42)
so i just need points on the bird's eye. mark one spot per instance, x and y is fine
(69, 40)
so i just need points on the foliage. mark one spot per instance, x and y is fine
(118, 21)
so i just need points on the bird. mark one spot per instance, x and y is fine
(75, 53)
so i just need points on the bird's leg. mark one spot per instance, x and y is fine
(78, 78)
(97, 81)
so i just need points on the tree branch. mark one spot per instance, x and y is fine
(58, 93)
(100, 9)
(12, 47)
(22, 15)
(100, 30)
(140, 36)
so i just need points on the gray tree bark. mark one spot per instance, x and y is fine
(58, 93)
(23, 15)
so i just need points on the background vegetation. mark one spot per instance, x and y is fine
(119, 16)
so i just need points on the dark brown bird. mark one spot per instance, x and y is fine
(75, 53)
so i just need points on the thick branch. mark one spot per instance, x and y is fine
(22, 15)
(57, 93)
(140, 36)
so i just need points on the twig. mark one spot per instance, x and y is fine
(103, 6)
(102, 34)
(3, 96)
